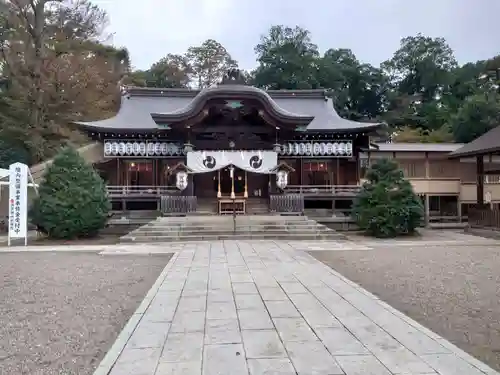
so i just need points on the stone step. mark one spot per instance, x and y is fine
(225, 228)
(231, 226)
(260, 236)
(224, 232)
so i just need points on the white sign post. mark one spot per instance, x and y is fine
(18, 202)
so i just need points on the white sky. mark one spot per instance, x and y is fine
(371, 28)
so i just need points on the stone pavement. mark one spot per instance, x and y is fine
(250, 307)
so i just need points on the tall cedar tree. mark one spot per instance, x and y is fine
(72, 200)
(386, 205)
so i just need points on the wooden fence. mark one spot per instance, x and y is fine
(484, 217)
(287, 203)
(178, 204)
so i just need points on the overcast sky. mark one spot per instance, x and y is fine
(371, 28)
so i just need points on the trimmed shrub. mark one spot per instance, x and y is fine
(387, 205)
(72, 200)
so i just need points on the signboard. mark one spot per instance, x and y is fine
(18, 201)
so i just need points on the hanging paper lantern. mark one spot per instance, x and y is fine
(341, 148)
(135, 148)
(122, 148)
(336, 148)
(322, 148)
(302, 149)
(150, 149)
(309, 148)
(107, 148)
(316, 149)
(348, 148)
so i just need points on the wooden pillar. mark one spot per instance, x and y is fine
(426, 210)
(337, 178)
(427, 166)
(118, 179)
(232, 183)
(245, 194)
(301, 164)
(219, 193)
(480, 180)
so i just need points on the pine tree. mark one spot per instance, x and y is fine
(387, 205)
(72, 200)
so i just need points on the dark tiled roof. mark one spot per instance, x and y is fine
(416, 147)
(487, 143)
(140, 103)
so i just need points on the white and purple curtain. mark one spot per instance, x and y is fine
(251, 161)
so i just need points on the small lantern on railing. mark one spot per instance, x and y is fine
(181, 180)
(282, 179)
(282, 171)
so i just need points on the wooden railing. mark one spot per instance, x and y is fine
(286, 203)
(484, 217)
(140, 191)
(178, 204)
(337, 190)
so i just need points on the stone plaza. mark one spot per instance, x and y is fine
(268, 307)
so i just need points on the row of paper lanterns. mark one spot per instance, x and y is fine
(142, 148)
(112, 148)
(317, 148)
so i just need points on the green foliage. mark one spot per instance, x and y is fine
(479, 114)
(287, 59)
(72, 199)
(11, 152)
(386, 205)
(418, 135)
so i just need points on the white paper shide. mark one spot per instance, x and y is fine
(18, 200)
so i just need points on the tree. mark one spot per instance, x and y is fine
(386, 205)
(208, 63)
(12, 153)
(358, 90)
(58, 71)
(479, 114)
(173, 71)
(72, 200)
(287, 59)
(420, 71)
(412, 135)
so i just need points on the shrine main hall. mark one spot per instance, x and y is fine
(230, 148)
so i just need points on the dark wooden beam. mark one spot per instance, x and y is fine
(232, 129)
(480, 180)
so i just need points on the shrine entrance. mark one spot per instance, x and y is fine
(246, 184)
(231, 192)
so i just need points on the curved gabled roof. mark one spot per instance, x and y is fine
(140, 107)
(233, 92)
(486, 144)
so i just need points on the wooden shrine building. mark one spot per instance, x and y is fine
(229, 148)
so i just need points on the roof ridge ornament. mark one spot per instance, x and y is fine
(233, 76)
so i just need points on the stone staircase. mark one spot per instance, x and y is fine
(254, 206)
(211, 228)
(257, 206)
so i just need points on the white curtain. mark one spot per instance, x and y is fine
(251, 161)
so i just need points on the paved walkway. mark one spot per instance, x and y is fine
(249, 307)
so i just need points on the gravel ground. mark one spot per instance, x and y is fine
(61, 312)
(454, 291)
